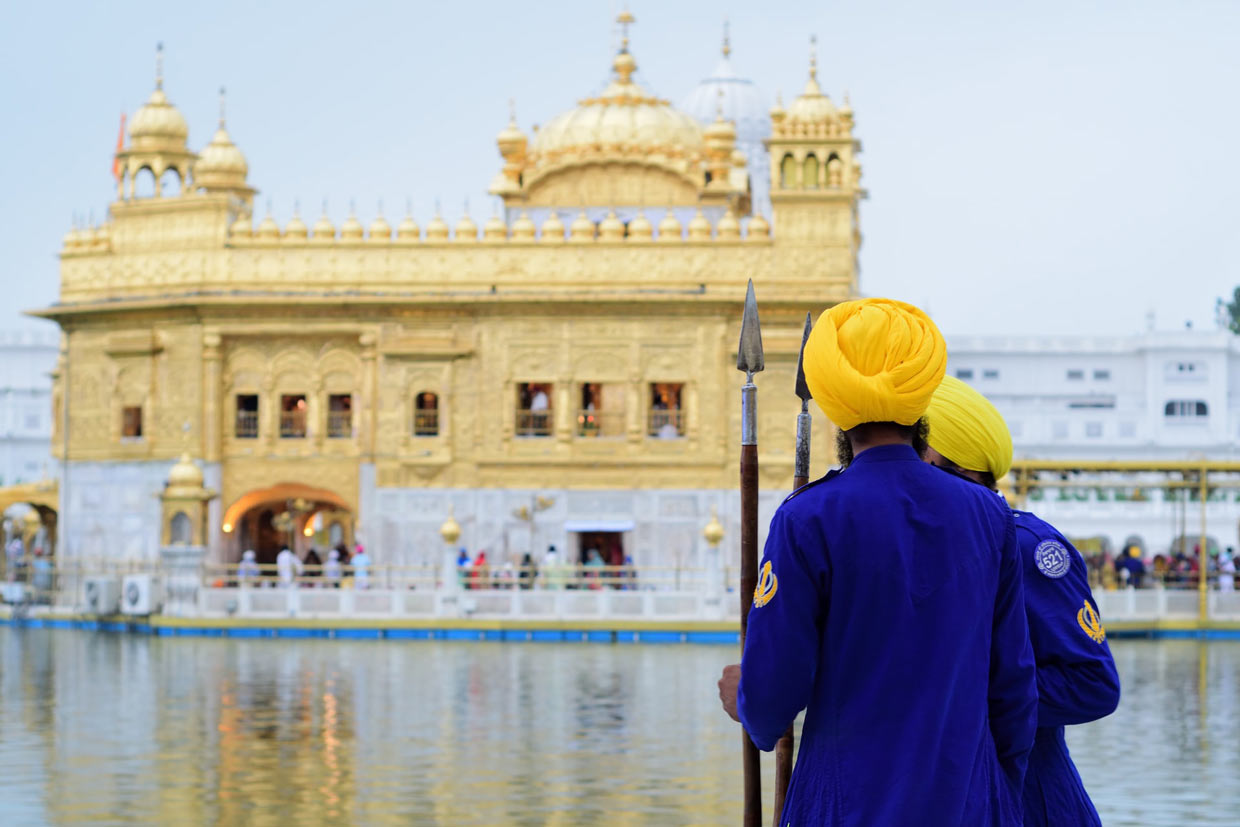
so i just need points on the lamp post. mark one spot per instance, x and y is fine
(450, 531)
(713, 534)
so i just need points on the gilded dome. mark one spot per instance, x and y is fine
(699, 227)
(185, 474)
(268, 229)
(324, 230)
(640, 228)
(295, 230)
(466, 230)
(494, 229)
(437, 229)
(582, 229)
(242, 227)
(523, 228)
(552, 230)
(408, 230)
(728, 228)
(759, 229)
(221, 165)
(611, 228)
(380, 230)
(625, 119)
(811, 106)
(158, 124)
(351, 229)
(669, 228)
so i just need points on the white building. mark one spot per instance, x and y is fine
(27, 359)
(1155, 396)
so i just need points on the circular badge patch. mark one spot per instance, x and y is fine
(1052, 559)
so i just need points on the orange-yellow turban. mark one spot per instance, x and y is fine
(874, 360)
(968, 430)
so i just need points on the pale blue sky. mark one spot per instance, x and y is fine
(1066, 166)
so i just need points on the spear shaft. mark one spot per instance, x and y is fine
(785, 747)
(749, 358)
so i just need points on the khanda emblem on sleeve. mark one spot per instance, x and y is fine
(1088, 618)
(768, 583)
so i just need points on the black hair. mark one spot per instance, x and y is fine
(915, 435)
(984, 477)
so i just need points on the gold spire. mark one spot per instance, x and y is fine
(159, 65)
(811, 86)
(223, 95)
(727, 41)
(624, 63)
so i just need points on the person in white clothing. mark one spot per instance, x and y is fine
(1226, 572)
(248, 571)
(288, 567)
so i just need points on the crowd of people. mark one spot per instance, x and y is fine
(340, 569)
(1173, 569)
(551, 573)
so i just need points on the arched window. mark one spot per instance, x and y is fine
(180, 532)
(426, 414)
(788, 172)
(835, 172)
(810, 178)
(170, 183)
(144, 183)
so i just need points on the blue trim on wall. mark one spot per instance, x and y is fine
(714, 638)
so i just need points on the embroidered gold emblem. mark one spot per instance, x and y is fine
(768, 583)
(1091, 624)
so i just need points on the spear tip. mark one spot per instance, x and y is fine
(802, 387)
(749, 355)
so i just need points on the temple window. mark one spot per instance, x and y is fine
(131, 422)
(180, 530)
(666, 419)
(601, 412)
(788, 172)
(293, 416)
(340, 416)
(426, 414)
(144, 183)
(534, 411)
(246, 426)
(811, 172)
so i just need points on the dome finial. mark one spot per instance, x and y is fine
(512, 111)
(813, 57)
(159, 65)
(727, 41)
(223, 96)
(624, 64)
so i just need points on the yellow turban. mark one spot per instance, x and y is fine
(968, 430)
(874, 360)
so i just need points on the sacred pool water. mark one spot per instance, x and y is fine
(101, 728)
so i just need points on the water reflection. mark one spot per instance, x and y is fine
(102, 729)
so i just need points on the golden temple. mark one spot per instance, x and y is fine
(567, 372)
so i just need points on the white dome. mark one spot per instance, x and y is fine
(740, 101)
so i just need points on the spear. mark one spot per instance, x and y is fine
(749, 358)
(785, 747)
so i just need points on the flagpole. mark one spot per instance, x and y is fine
(749, 358)
(785, 748)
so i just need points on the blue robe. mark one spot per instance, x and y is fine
(890, 607)
(1077, 681)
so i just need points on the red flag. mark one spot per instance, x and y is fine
(120, 147)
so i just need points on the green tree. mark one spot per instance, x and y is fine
(1233, 311)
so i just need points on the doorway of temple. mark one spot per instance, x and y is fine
(290, 515)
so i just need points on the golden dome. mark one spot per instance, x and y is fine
(295, 230)
(553, 230)
(220, 165)
(185, 474)
(713, 532)
(811, 106)
(624, 120)
(351, 229)
(324, 230)
(728, 228)
(523, 228)
(437, 229)
(699, 227)
(611, 228)
(466, 230)
(511, 139)
(777, 111)
(640, 228)
(158, 124)
(408, 230)
(669, 228)
(73, 239)
(450, 531)
(759, 229)
(242, 227)
(495, 230)
(581, 230)
(380, 231)
(268, 230)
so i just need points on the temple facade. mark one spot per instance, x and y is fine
(564, 375)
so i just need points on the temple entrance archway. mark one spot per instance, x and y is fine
(289, 514)
(29, 512)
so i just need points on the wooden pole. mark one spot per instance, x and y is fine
(749, 358)
(785, 748)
